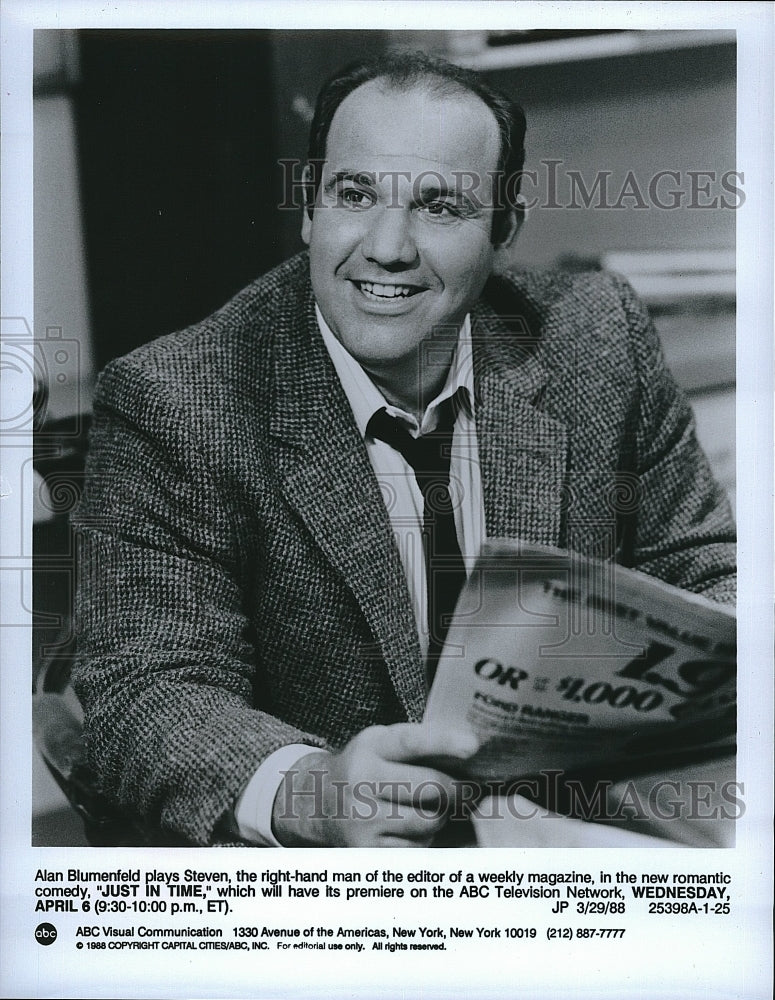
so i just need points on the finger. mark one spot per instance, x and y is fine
(404, 822)
(404, 818)
(416, 784)
(386, 840)
(406, 741)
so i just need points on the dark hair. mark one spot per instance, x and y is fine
(403, 70)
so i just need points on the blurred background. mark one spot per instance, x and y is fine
(157, 182)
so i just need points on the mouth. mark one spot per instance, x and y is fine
(379, 292)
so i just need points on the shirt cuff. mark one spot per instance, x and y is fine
(253, 811)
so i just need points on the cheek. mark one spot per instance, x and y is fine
(460, 248)
(333, 232)
(466, 267)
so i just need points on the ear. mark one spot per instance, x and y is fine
(308, 195)
(513, 223)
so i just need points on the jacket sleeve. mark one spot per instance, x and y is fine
(165, 666)
(684, 531)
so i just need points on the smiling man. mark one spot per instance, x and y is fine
(283, 501)
(401, 237)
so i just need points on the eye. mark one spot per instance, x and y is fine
(353, 197)
(440, 210)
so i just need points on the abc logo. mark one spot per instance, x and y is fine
(45, 934)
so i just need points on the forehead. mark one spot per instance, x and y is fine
(381, 127)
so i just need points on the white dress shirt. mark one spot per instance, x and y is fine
(404, 502)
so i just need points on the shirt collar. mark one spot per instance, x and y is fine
(365, 398)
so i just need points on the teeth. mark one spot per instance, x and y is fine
(386, 291)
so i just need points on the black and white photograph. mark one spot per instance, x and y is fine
(387, 424)
(268, 550)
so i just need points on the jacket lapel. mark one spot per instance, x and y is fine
(328, 480)
(522, 450)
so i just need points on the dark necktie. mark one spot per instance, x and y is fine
(429, 456)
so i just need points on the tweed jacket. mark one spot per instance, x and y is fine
(240, 588)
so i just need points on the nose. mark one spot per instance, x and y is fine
(389, 241)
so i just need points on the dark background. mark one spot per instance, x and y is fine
(179, 136)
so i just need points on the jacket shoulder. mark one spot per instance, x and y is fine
(548, 290)
(233, 335)
(595, 311)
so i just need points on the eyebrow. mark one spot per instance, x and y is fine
(436, 190)
(358, 177)
(431, 191)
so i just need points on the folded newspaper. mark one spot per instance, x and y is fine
(555, 661)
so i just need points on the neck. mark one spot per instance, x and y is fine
(409, 389)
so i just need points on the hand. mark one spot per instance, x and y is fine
(374, 792)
